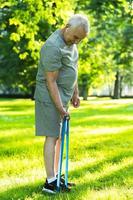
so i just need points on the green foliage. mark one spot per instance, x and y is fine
(25, 25)
(109, 47)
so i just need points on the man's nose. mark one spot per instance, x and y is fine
(77, 41)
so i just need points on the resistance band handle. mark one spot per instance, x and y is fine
(66, 117)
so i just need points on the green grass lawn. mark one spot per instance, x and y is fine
(101, 151)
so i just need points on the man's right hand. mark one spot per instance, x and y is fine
(63, 113)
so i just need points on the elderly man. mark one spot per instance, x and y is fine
(56, 85)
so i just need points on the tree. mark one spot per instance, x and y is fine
(25, 25)
(110, 22)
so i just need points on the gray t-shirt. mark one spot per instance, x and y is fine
(56, 55)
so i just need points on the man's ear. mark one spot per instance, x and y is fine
(67, 26)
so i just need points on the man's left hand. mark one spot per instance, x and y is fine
(75, 101)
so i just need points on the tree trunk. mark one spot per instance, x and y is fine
(32, 92)
(85, 93)
(121, 79)
(84, 85)
(117, 86)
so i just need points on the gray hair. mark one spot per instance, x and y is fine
(79, 20)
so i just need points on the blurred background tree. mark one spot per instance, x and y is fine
(105, 56)
(109, 48)
(25, 25)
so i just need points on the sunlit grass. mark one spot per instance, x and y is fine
(101, 151)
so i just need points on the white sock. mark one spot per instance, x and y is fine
(50, 180)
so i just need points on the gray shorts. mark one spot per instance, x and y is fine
(47, 119)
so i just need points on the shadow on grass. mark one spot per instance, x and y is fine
(111, 143)
(11, 149)
(25, 144)
(21, 137)
(19, 107)
(97, 167)
(21, 192)
(105, 122)
(18, 151)
(90, 111)
(115, 178)
(33, 191)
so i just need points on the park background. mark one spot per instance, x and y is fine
(101, 146)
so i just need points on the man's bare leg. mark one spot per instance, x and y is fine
(57, 154)
(49, 156)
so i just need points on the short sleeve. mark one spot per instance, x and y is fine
(50, 58)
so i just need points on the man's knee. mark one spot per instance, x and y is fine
(51, 139)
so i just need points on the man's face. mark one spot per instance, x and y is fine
(73, 35)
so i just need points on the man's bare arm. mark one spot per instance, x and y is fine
(75, 98)
(76, 90)
(51, 78)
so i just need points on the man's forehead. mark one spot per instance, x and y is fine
(80, 32)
